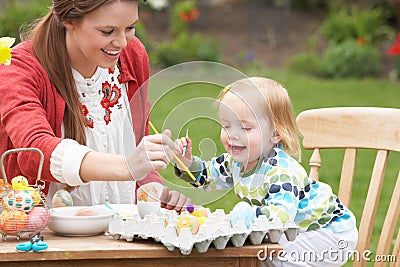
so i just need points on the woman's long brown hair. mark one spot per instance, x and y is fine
(48, 37)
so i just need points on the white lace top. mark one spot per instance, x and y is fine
(106, 108)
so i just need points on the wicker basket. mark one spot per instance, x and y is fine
(25, 212)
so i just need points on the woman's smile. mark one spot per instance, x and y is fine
(111, 54)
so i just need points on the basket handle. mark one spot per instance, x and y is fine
(17, 150)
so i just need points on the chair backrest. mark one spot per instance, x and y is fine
(352, 128)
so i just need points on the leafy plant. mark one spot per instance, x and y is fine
(356, 23)
(304, 63)
(186, 47)
(349, 59)
(16, 14)
(141, 33)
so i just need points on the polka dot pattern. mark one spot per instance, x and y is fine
(280, 189)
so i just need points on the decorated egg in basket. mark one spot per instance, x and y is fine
(25, 210)
(38, 218)
(13, 221)
(18, 200)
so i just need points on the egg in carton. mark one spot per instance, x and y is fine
(185, 231)
(217, 229)
(190, 231)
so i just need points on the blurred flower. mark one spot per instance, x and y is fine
(187, 11)
(360, 41)
(394, 50)
(5, 50)
(189, 15)
(158, 4)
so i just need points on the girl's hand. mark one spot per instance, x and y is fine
(174, 200)
(154, 152)
(185, 155)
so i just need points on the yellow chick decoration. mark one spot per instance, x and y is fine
(21, 183)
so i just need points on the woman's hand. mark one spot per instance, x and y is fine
(185, 152)
(174, 200)
(154, 152)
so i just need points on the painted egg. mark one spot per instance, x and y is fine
(13, 221)
(38, 218)
(62, 199)
(18, 200)
(150, 192)
(4, 187)
(188, 221)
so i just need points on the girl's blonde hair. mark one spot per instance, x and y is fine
(276, 104)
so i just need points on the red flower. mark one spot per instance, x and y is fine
(189, 16)
(360, 41)
(394, 50)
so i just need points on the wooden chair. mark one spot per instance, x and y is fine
(352, 128)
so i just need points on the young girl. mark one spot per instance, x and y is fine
(259, 135)
(72, 90)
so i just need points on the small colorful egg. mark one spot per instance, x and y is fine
(35, 195)
(4, 187)
(188, 221)
(148, 192)
(202, 219)
(62, 199)
(21, 183)
(18, 200)
(201, 212)
(13, 221)
(38, 218)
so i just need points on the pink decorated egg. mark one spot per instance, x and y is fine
(38, 218)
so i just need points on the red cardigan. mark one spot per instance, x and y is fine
(32, 110)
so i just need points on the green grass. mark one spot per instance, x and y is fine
(175, 110)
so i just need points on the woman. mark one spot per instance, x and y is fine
(76, 90)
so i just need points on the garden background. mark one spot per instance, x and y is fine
(326, 53)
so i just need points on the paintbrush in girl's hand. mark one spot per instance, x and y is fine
(178, 160)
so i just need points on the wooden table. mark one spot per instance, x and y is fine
(103, 250)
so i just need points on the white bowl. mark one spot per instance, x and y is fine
(64, 222)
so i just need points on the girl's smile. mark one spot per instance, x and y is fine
(246, 132)
(236, 149)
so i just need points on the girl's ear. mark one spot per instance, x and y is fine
(276, 138)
